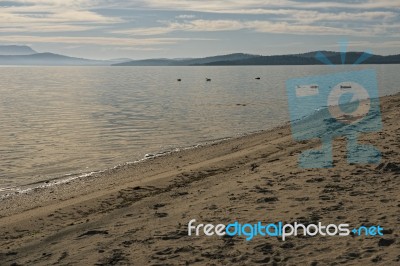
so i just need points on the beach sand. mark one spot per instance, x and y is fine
(138, 214)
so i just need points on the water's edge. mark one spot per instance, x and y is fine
(37, 186)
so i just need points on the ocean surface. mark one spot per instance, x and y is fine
(63, 122)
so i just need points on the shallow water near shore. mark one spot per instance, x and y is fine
(66, 121)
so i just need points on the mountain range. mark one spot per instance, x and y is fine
(16, 50)
(24, 55)
(247, 59)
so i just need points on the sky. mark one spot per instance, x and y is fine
(138, 29)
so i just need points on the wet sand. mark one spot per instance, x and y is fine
(138, 214)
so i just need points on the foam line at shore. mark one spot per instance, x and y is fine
(14, 191)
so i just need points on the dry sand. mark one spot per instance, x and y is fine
(138, 214)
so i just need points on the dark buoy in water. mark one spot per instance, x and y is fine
(258, 78)
(207, 79)
(179, 80)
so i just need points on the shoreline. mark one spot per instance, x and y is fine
(66, 189)
(139, 213)
(58, 184)
(7, 192)
(38, 185)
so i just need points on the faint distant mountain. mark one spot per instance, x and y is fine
(309, 59)
(48, 59)
(119, 60)
(16, 50)
(24, 55)
(247, 59)
(150, 62)
(226, 58)
(312, 54)
(189, 61)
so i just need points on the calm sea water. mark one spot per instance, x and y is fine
(60, 121)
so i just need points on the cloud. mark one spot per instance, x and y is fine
(144, 31)
(377, 47)
(51, 16)
(365, 21)
(41, 28)
(63, 3)
(83, 16)
(69, 16)
(193, 26)
(298, 25)
(65, 21)
(239, 5)
(29, 14)
(136, 48)
(290, 28)
(306, 16)
(105, 41)
(185, 17)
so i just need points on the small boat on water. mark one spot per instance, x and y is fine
(258, 78)
(307, 90)
(307, 87)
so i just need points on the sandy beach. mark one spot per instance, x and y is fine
(138, 214)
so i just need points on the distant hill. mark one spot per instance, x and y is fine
(24, 55)
(16, 50)
(150, 62)
(309, 59)
(226, 58)
(188, 62)
(247, 59)
(48, 59)
(119, 60)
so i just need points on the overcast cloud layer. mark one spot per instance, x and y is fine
(178, 28)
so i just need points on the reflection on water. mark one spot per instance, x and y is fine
(61, 120)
